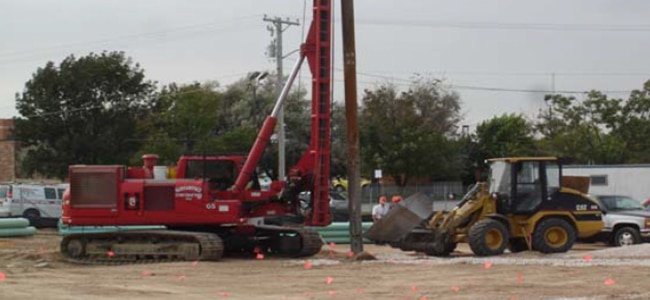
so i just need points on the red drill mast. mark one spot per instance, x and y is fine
(205, 211)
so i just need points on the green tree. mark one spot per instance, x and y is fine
(410, 134)
(183, 121)
(339, 162)
(81, 112)
(584, 129)
(504, 136)
(631, 129)
(247, 104)
(206, 119)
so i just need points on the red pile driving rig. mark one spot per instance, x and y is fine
(213, 205)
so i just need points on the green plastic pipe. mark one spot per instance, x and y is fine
(13, 232)
(14, 223)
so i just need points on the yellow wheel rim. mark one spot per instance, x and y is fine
(556, 237)
(494, 239)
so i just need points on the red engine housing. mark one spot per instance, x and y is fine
(106, 195)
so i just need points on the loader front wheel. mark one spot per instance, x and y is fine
(553, 236)
(441, 250)
(488, 237)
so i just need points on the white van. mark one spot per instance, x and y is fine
(5, 201)
(39, 203)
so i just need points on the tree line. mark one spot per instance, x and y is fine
(101, 109)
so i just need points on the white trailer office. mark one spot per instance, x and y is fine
(629, 180)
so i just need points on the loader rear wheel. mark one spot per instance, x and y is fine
(488, 237)
(553, 236)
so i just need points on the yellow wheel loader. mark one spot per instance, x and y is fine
(526, 205)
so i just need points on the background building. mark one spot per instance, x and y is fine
(8, 151)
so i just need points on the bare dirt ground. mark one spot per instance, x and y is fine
(32, 268)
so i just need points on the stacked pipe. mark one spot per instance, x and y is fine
(339, 232)
(67, 230)
(13, 227)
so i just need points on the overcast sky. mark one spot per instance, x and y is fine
(507, 45)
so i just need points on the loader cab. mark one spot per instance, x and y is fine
(521, 185)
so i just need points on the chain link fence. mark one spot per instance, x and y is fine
(439, 192)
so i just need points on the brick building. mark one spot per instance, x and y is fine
(8, 151)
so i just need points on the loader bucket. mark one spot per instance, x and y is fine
(401, 219)
(420, 204)
(396, 224)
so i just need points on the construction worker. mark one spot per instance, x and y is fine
(396, 199)
(380, 209)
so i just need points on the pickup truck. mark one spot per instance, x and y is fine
(627, 222)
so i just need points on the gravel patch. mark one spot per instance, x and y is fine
(636, 255)
(634, 251)
(549, 260)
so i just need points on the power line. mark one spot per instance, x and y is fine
(505, 25)
(502, 89)
(519, 74)
(394, 80)
(407, 82)
(35, 58)
(509, 26)
(127, 37)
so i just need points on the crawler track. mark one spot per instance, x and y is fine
(160, 246)
(154, 246)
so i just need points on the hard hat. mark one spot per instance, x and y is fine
(396, 199)
(382, 199)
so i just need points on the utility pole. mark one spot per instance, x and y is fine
(276, 46)
(553, 82)
(352, 134)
